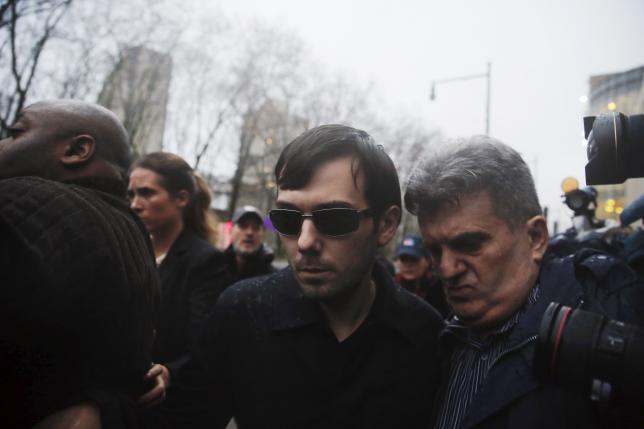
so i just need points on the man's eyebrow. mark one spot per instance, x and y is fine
(333, 204)
(472, 236)
(285, 205)
(327, 205)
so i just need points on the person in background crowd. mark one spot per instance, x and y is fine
(481, 221)
(174, 205)
(414, 273)
(78, 285)
(248, 256)
(331, 341)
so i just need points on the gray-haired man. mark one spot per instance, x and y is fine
(480, 217)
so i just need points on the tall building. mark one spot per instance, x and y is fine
(265, 132)
(137, 91)
(620, 92)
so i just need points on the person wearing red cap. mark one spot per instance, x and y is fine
(415, 274)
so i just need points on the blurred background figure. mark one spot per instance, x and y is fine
(415, 275)
(248, 256)
(173, 203)
(587, 231)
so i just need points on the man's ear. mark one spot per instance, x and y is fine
(78, 150)
(538, 234)
(389, 222)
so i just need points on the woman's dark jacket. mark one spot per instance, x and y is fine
(192, 277)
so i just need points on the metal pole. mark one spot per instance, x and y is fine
(487, 75)
(487, 109)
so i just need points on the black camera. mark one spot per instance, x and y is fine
(582, 201)
(588, 353)
(615, 148)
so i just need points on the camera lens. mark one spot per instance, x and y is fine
(583, 351)
(615, 148)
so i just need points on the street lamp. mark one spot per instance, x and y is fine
(486, 75)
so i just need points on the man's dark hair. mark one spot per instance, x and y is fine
(302, 156)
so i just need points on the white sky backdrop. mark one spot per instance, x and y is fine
(542, 54)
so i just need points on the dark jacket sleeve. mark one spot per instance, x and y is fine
(193, 277)
(201, 394)
(207, 281)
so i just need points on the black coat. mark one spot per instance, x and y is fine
(78, 291)
(192, 277)
(269, 358)
(257, 264)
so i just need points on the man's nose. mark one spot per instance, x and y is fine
(309, 238)
(450, 265)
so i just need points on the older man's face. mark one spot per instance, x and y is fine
(31, 149)
(487, 268)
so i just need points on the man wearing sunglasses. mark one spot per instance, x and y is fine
(330, 341)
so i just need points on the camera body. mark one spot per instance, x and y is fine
(583, 350)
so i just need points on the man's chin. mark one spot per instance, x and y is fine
(322, 294)
(466, 312)
(247, 251)
(316, 287)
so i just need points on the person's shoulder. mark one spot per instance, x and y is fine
(27, 181)
(588, 266)
(258, 291)
(601, 264)
(413, 315)
(606, 283)
(25, 187)
(35, 204)
(197, 248)
(413, 303)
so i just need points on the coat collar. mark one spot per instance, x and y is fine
(392, 306)
(181, 245)
(108, 185)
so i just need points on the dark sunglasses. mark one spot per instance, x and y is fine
(333, 222)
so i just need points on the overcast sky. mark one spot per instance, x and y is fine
(542, 54)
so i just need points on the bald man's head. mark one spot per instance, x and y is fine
(64, 139)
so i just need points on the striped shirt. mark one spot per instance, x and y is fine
(471, 360)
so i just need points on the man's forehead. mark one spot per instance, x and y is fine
(343, 173)
(469, 214)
